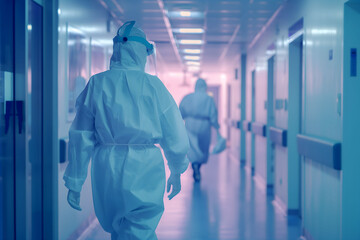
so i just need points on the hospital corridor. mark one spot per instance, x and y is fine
(179, 119)
(228, 204)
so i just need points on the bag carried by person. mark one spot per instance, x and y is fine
(220, 144)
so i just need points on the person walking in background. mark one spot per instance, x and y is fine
(199, 112)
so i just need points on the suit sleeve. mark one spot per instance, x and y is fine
(182, 107)
(175, 141)
(81, 141)
(214, 115)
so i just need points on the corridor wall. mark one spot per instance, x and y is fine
(70, 220)
(80, 55)
(234, 106)
(316, 196)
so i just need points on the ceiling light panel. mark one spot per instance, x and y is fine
(194, 58)
(192, 63)
(188, 30)
(185, 14)
(192, 51)
(190, 42)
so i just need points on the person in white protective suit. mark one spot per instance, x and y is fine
(120, 115)
(199, 112)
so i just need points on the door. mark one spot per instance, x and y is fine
(350, 125)
(253, 108)
(214, 92)
(21, 101)
(34, 124)
(7, 121)
(243, 110)
(270, 123)
(228, 110)
(294, 124)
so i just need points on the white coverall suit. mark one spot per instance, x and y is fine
(199, 112)
(120, 115)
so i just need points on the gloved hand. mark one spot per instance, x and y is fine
(175, 181)
(73, 199)
(220, 144)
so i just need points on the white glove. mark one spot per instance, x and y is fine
(175, 181)
(73, 199)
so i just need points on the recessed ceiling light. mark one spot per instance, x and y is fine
(192, 57)
(192, 63)
(192, 51)
(188, 41)
(185, 13)
(189, 30)
(323, 31)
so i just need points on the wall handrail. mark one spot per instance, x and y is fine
(278, 136)
(246, 126)
(233, 123)
(324, 151)
(258, 128)
(238, 125)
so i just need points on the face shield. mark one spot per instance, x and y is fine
(150, 66)
(125, 36)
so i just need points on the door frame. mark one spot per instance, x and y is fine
(228, 112)
(295, 117)
(50, 119)
(215, 90)
(243, 110)
(270, 122)
(253, 119)
(350, 152)
(50, 125)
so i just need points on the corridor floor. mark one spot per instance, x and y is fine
(226, 205)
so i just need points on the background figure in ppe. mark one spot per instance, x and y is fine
(199, 112)
(120, 115)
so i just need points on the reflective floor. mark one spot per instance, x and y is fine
(228, 205)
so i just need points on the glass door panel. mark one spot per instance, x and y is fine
(34, 124)
(7, 120)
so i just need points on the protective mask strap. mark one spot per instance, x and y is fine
(129, 26)
(149, 46)
(125, 37)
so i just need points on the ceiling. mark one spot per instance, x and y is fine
(228, 26)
